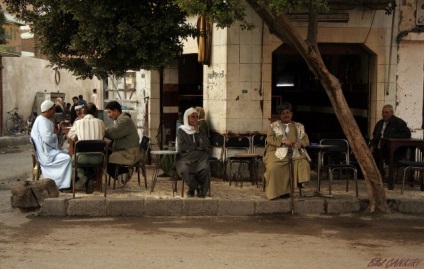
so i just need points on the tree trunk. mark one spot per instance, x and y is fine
(280, 26)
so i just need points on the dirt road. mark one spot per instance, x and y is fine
(285, 241)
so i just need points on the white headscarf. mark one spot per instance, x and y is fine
(187, 127)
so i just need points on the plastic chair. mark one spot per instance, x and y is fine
(411, 166)
(337, 158)
(139, 165)
(35, 163)
(90, 148)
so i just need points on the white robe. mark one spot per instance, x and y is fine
(55, 163)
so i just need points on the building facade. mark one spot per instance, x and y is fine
(251, 72)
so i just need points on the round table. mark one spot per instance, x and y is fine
(158, 154)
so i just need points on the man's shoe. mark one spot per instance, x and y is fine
(67, 190)
(81, 182)
(190, 193)
(200, 193)
(127, 178)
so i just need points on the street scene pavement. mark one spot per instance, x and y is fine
(351, 240)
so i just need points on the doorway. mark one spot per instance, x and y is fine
(293, 82)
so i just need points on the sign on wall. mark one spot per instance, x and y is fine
(13, 39)
(420, 12)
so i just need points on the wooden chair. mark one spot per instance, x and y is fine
(35, 163)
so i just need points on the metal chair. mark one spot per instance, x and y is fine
(35, 163)
(258, 146)
(337, 158)
(236, 145)
(217, 145)
(139, 165)
(90, 148)
(411, 166)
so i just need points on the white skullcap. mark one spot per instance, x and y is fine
(79, 107)
(46, 105)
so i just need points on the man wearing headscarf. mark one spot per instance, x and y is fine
(192, 161)
(55, 163)
(282, 135)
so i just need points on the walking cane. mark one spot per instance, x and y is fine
(290, 153)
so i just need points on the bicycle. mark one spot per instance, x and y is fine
(16, 124)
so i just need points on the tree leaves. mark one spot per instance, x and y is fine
(99, 38)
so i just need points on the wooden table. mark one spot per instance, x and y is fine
(388, 146)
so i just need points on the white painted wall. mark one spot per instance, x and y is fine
(23, 77)
(410, 69)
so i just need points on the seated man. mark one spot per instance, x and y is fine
(55, 163)
(192, 161)
(78, 111)
(388, 127)
(282, 135)
(125, 147)
(87, 128)
(73, 109)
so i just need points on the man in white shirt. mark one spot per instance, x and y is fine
(87, 128)
(94, 97)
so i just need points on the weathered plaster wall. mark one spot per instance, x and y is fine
(23, 77)
(410, 70)
(410, 83)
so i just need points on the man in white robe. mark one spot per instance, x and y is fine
(55, 163)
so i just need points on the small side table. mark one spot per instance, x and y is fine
(321, 150)
(250, 159)
(158, 154)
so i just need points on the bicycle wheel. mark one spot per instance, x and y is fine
(13, 126)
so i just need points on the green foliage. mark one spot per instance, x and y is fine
(222, 12)
(390, 7)
(98, 38)
(225, 12)
(2, 30)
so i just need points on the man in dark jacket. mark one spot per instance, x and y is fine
(73, 112)
(388, 127)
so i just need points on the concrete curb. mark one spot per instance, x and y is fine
(98, 206)
(114, 207)
(14, 141)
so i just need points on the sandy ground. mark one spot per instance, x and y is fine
(282, 241)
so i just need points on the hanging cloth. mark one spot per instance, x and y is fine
(204, 40)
